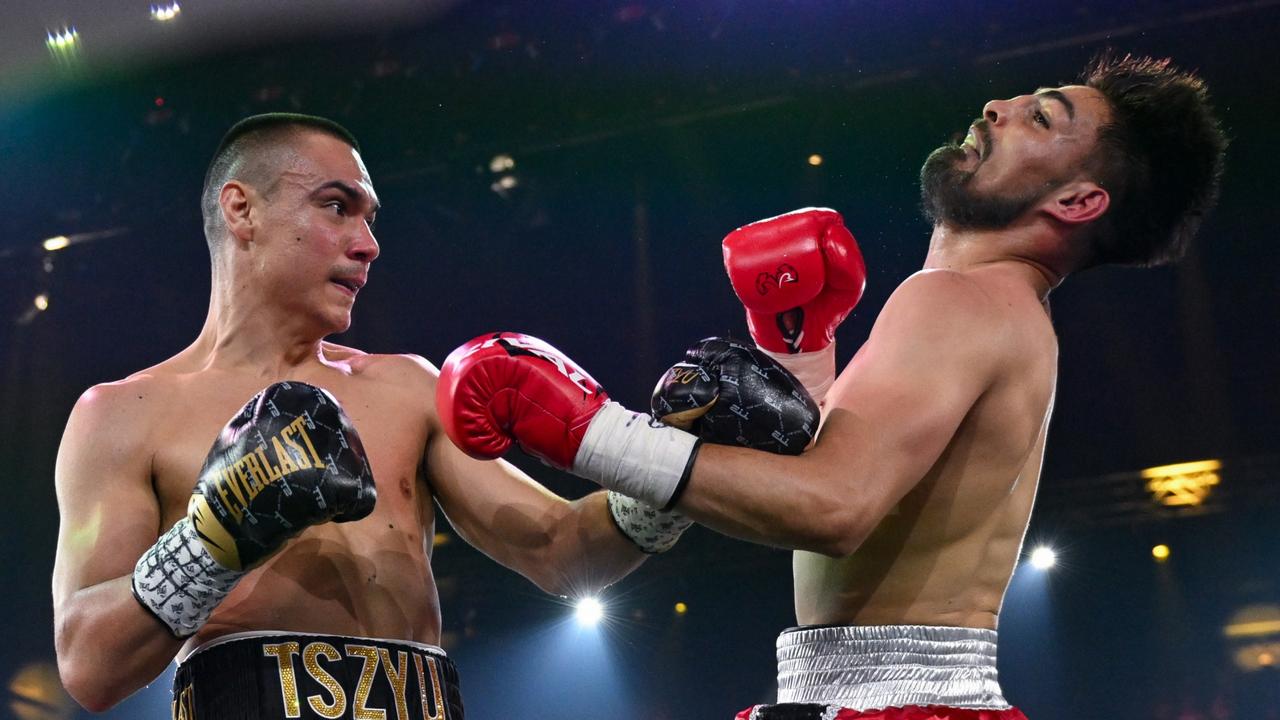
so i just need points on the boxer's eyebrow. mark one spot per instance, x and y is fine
(1060, 97)
(352, 194)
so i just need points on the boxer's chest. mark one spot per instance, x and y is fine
(393, 438)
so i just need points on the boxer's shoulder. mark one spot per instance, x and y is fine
(402, 370)
(950, 300)
(124, 404)
(937, 285)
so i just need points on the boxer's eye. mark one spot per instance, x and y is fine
(1040, 118)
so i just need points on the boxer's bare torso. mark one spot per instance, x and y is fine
(945, 553)
(367, 578)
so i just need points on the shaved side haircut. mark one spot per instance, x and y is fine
(251, 152)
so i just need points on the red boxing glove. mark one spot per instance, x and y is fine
(507, 386)
(799, 275)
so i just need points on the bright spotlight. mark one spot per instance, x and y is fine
(165, 13)
(681, 608)
(1043, 557)
(815, 159)
(41, 302)
(501, 163)
(57, 242)
(1160, 552)
(590, 611)
(62, 40)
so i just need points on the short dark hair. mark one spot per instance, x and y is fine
(251, 139)
(1160, 157)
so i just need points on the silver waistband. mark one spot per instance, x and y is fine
(881, 666)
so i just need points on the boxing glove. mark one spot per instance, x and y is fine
(798, 275)
(729, 393)
(290, 459)
(507, 387)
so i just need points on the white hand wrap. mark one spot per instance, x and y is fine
(815, 370)
(653, 531)
(180, 582)
(633, 454)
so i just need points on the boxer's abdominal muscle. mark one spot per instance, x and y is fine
(945, 554)
(368, 578)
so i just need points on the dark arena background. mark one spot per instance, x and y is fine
(567, 169)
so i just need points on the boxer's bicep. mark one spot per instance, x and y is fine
(108, 510)
(931, 355)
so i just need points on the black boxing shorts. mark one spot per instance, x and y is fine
(274, 676)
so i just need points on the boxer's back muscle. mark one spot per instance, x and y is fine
(370, 577)
(945, 554)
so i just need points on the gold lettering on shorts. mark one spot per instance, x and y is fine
(283, 653)
(184, 705)
(437, 697)
(398, 679)
(311, 661)
(358, 709)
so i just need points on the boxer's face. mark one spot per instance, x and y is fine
(318, 227)
(1014, 155)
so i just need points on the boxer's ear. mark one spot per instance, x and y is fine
(235, 204)
(1076, 203)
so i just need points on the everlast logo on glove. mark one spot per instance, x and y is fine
(245, 478)
(289, 460)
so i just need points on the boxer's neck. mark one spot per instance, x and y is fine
(245, 330)
(1021, 245)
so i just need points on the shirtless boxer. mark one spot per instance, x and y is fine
(908, 513)
(342, 621)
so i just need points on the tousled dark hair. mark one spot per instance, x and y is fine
(243, 152)
(1160, 157)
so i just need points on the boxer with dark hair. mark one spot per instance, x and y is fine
(288, 567)
(907, 515)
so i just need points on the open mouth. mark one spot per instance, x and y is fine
(347, 284)
(973, 141)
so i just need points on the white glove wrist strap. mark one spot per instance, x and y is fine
(815, 370)
(180, 582)
(653, 531)
(633, 454)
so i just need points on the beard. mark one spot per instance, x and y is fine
(947, 198)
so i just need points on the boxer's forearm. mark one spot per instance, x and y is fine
(588, 552)
(108, 645)
(794, 502)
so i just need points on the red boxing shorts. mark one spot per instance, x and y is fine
(271, 676)
(799, 711)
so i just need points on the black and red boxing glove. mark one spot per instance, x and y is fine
(507, 387)
(799, 275)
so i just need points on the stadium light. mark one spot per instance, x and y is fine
(589, 611)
